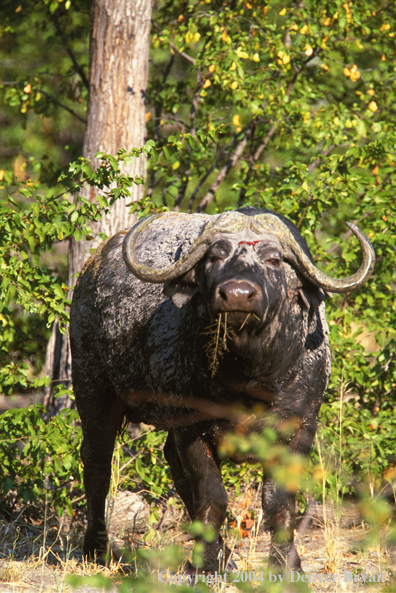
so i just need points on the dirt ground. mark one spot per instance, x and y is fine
(338, 552)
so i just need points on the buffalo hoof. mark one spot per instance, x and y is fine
(231, 566)
(284, 557)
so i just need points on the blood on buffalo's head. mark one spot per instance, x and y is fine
(238, 264)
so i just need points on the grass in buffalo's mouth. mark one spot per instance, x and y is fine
(216, 346)
(219, 332)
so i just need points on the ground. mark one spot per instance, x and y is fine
(37, 556)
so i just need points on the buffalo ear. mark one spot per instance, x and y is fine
(311, 296)
(181, 290)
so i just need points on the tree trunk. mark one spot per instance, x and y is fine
(119, 50)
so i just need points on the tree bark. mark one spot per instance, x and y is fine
(119, 52)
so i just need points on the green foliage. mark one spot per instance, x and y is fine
(357, 450)
(31, 226)
(40, 460)
(289, 106)
(147, 467)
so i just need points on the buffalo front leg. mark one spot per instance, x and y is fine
(196, 471)
(279, 505)
(99, 430)
(279, 510)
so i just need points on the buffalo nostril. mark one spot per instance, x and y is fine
(237, 292)
(223, 293)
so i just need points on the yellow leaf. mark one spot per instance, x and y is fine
(304, 29)
(371, 92)
(324, 67)
(282, 12)
(212, 68)
(346, 71)
(241, 54)
(256, 58)
(346, 8)
(294, 27)
(180, 18)
(148, 116)
(24, 107)
(176, 165)
(233, 66)
(336, 121)
(234, 85)
(207, 84)
(28, 89)
(383, 58)
(236, 121)
(385, 27)
(19, 8)
(327, 22)
(373, 106)
(248, 5)
(354, 74)
(192, 37)
(375, 170)
(308, 50)
(284, 57)
(2, 174)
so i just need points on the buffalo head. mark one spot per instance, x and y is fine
(238, 264)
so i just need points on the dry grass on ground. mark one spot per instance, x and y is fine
(36, 556)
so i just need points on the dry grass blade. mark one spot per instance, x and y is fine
(247, 317)
(216, 346)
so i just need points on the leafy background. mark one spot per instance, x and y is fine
(289, 106)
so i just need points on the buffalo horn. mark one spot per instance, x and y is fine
(293, 251)
(223, 223)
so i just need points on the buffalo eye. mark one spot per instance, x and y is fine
(274, 262)
(214, 258)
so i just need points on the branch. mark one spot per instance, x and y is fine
(84, 121)
(210, 171)
(256, 157)
(182, 190)
(224, 172)
(173, 46)
(69, 51)
(316, 162)
(315, 53)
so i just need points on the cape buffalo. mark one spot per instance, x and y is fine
(143, 350)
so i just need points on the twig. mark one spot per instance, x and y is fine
(267, 139)
(84, 121)
(182, 189)
(256, 157)
(69, 51)
(158, 114)
(316, 162)
(173, 46)
(315, 54)
(210, 171)
(224, 172)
